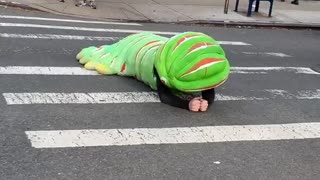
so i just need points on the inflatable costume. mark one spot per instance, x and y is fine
(188, 62)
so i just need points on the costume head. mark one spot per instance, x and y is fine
(192, 62)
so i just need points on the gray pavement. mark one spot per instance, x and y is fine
(176, 11)
(282, 159)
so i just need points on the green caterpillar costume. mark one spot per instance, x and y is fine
(188, 62)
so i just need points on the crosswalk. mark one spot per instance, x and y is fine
(138, 136)
(76, 28)
(93, 38)
(43, 70)
(139, 97)
(66, 20)
(204, 134)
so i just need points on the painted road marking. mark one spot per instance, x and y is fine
(90, 38)
(142, 97)
(265, 70)
(276, 54)
(57, 36)
(82, 28)
(234, 43)
(179, 135)
(66, 20)
(44, 70)
(80, 98)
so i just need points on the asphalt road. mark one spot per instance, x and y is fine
(279, 159)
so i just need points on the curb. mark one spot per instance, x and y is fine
(316, 68)
(19, 5)
(193, 22)
(254, 24)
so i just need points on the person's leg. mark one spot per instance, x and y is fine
(77, 2)
(92, 4)
(296, 2)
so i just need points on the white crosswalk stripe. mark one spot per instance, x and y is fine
(58, 36)
(276, 54)
(43, 70)
(139, 97)
(74, 28)
(89, 38)
(265, 70)
(66, 20)
(179, 135)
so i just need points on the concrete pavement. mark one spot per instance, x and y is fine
(306, 14)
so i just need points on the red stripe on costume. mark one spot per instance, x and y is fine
(202, 63)
(155, 45)
(180, 41)
(145, 46)
(199, 45)
(150, 43)
(123, 67)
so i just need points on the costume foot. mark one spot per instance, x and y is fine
(103, 69)
(91, 53)
(91, 65)
(86, 52)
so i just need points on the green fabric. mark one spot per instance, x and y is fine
(188, 62)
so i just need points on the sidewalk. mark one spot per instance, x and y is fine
(306, 14)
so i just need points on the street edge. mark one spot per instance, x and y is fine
(225, 23)
(254, 24)
(19, 5)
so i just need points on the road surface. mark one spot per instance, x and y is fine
(59, 121)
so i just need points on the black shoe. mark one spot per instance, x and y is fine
(295, 2)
